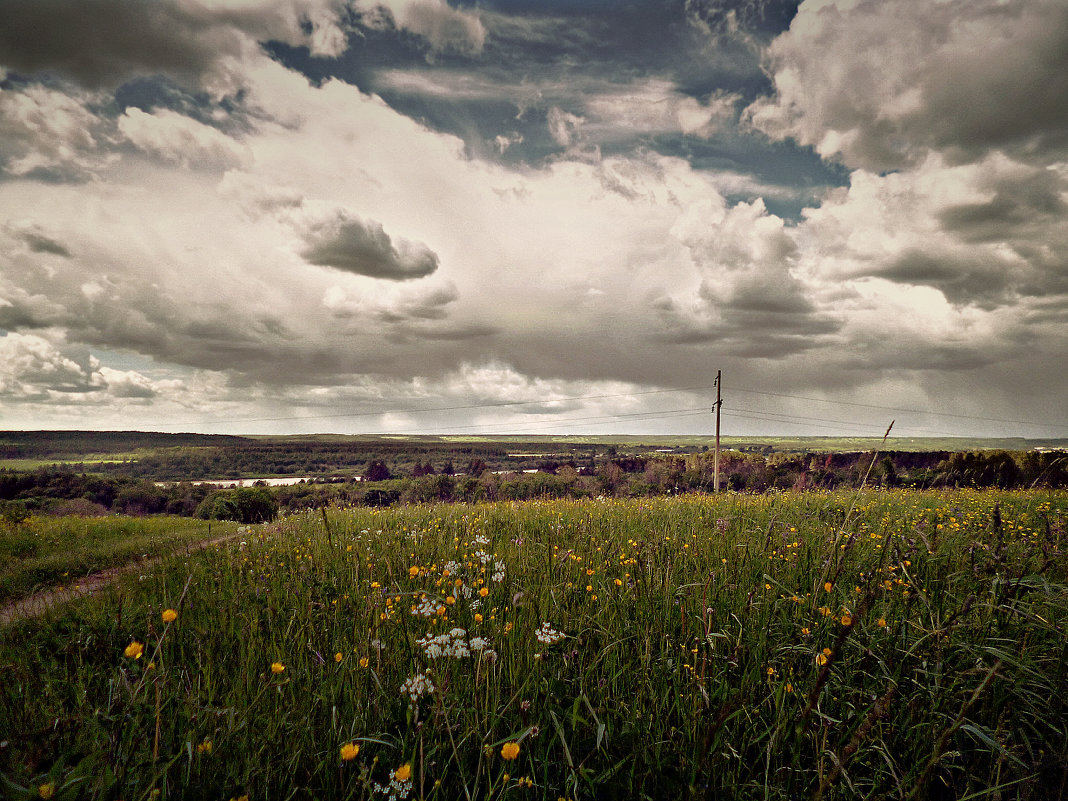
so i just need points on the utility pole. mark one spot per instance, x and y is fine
(719, 402)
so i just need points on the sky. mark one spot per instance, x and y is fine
(535, 216)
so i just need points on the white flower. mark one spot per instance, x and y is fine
(417, 686)
(425, 608)
(548, 635)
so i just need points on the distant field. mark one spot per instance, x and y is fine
(181, 456)
(882, 644)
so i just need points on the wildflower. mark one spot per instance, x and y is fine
(450, 600)
(204, 747)
(277, 667)
(483, 592)
(882, 622)
(364, 661)
(805, 630)
(46, 790)
(789, 687)
(478, 617)
(847, 620)
(413, 571)
(404, 772)
(548, 635)
(134, 650)
(417, 686)
(509, 751)
(619, 582)
(349, 751)
(338, 657)
(828, 587)
(169, 615)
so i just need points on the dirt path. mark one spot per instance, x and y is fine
(40, 602)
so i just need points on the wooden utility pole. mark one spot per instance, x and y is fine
(719, 388)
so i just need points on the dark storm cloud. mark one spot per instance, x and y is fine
(347, 243)
(1017, 208)
(100, 43)
(980, 280)
(37, 241)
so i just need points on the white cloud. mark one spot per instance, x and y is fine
(879, 85)
(445, 29)
(180, 139)
(48, 132)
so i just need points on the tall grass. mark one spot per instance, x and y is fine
(722, 647)
(45, 551)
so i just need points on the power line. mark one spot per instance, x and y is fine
(465, 407)
(771, 416)
(897, 408)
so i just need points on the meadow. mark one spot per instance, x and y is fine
(873, 644)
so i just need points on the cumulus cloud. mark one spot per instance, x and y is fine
(100, 43)
(346, 242)
(444, 28)
(33, 368)
(983, 234)
(49, 133)
(879, 85)
(179, 139)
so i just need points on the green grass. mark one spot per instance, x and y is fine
(46, 551)
(692, 661)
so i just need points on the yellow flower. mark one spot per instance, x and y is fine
(413, 571)
(478, 617)
(882, 622)
(483, 592)
(134, 650)
(277, 667)
(804, 630)
(404, 772)
(204, 747)
(619, 582)
(349, 751)
(828, 587)
(847, 620)
(821, 660)
(169, 615)
(338, 657)
(509, 751)
(450, 600)
(789, 687)
(364, 661)
(46, 790)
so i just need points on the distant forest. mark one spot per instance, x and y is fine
(162, 477)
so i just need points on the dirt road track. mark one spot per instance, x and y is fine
(40, 602)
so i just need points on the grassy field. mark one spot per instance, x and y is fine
(45, 552)
(877, 645)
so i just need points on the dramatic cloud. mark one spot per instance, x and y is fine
(100, 43)
(444, 28)
(355, 216)
(49, 134)
(348, 243)
(179, 139)
(880, 85)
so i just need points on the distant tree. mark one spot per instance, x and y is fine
(447, 469)
(377, 471)
(476, 467)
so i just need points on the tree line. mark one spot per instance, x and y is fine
(67, 491)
